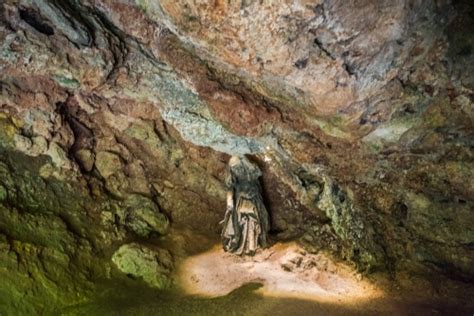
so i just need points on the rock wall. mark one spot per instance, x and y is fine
(117, 119)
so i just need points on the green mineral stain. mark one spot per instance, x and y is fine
(330, 128)
(66, 82)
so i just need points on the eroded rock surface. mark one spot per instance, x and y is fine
(117, 119)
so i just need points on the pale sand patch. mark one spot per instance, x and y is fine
(284, 270)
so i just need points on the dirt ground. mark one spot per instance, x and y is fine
(281, 280)
(284, 270)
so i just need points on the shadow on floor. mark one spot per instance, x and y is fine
(126, 299)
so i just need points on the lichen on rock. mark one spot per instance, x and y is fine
(153, 266)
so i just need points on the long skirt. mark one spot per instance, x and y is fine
(242, 231)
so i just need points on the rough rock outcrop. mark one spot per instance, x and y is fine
(117, 119)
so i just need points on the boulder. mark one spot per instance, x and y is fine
(153, 266)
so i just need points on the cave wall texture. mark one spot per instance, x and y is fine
(117, 119)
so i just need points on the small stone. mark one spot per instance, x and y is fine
(59, 156)
(40, 145)
(22, 143)
(287, 267)
(85, 158)
(107, 163)
(153, 266)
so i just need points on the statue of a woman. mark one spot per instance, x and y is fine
(246, 223)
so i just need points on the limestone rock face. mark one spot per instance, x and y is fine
(325, 55)
(117, 119)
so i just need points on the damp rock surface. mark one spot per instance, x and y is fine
(118, 118)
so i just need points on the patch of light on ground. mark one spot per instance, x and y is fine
(284, 270)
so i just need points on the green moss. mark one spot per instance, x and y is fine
(46, 260)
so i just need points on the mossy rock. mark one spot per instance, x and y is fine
(153, 266)
(142, 216)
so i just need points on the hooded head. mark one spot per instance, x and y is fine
(235, 161)
(242, 168)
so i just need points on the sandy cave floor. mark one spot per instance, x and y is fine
(284, 270)
(281, 280)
